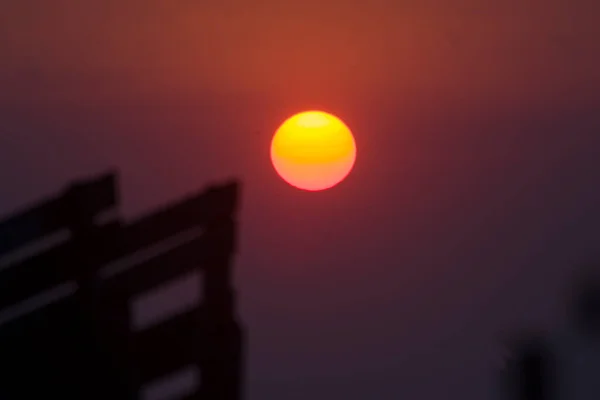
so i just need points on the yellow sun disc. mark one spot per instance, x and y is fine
(313, 150)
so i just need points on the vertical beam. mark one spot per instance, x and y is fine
(80, 222)
(222, 364)
(102, 377)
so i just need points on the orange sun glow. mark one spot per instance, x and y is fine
(313, 150)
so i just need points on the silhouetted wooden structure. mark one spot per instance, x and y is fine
(85, 345)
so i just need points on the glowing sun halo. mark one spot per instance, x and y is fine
(313, 150)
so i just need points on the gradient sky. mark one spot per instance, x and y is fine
(473, 198)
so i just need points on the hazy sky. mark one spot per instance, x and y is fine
(477, 129)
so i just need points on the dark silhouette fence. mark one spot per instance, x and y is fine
(86, 343)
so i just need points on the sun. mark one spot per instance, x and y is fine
(313, 150)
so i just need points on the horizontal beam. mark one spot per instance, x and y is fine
(10, 331)
(201, 210)
(113, 242)
(92, 197)
(172, 263)
(186, 339)
(49, 269)
(168, 346)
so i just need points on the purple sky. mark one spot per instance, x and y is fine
(474, 194)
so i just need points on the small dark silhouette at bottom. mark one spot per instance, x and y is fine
(560, 365)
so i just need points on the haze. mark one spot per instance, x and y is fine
(477, 182)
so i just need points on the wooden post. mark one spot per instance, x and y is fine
(100, 375)
(223, 363)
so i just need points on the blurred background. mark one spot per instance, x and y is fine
(473, 198)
